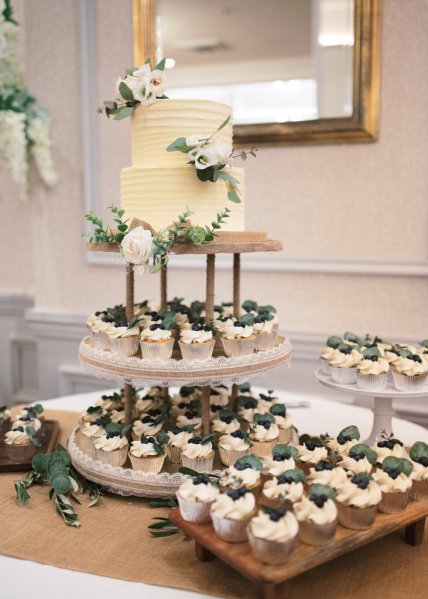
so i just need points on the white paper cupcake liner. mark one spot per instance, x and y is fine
(231, 531)
(372, 382)
(262, 449)
(101, 341)
(197, 351)
(394, 502)
(20, 453)
(405, 383)
(317, 534)
(117, 457)
(194, 511)
(229, 456)
(270, 552)
(174, 453)
(124, 346)
(265, 341)
(343, 376)
(86, 444)
(150, 464)
(356, 518)
(419, 490)
(157, 350)
(198, 464)
(239, 347)
(285, 434)
(325, 366)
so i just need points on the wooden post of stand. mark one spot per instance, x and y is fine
(163, 287)
(236, 312)
(129, 311)
(209, 311)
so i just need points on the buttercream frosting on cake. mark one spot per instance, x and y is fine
(160, 184)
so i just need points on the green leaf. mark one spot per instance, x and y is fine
(278, 409)
(262, 417)
(254, 462)
(350, 432)
(295, 474)
(125, 92)
(188, 471)
(123, 112)
(287, 450)
(148, 61)
(179, 145)
(319, 490)
(40, 463)
(224, 123)
(228, 177)
(161, 65)
(164, 533)
(61, 483)
(169, 320)
(366, 450)
(419, 450)
(334, 341)
(233, 197)
(22, 494)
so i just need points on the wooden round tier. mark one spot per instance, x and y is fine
(216, 370)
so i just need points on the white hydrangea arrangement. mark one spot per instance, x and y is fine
(24, 127)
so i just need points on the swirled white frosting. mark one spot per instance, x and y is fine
(233, 332)
(366, 367)
(356, 466)
(91, 320)
(33, 422)
(89, 429)
(392, 485)
(191, 336)
(218, 426)
(291, 491)
(122, 332)
(311, 455)
(285, 529)
(384, 452)
(350, 494)
(263, 327)
(202, 493)
(283, 422)
(179, 439)
(149, 403)
(340, 360)
(156, 335)
(193, 450)
(139, 449)
(327, 353)
(15, 437)
(248, 414)
(332, 478)
(85, 417)
(182, 420)
(342, 449)
(246, 478)
(145, 428)
(419, 472)
(260, 433)
(229, 443)
(223, 325)
(391, 357)
(107, 404)
(226, 507)
(99, 326)
(410, 367)
(264, 405)
(110, 444)
(271, 466)
(307, 511)
(117, 416)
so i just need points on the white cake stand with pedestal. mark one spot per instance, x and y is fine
(382, 402)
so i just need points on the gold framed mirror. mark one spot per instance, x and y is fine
(357, 113)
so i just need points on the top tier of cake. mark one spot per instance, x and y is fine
(155, 127)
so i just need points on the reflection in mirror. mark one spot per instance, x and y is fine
(274, 61)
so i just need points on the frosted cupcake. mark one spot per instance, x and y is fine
(148, 425)
(284, 490)
(233, 446)
(360, 458)
(109, 402)
(317, 515)
(395, 483)
(197, 343)
(264, 434)
(226, 422)
(388, 446)
(198, 454)
(410, 373)
(148, 399)
(324, 473)
(148, 453)
(112, 446)
(231, 514)
(283, 422)
(89, 432)
(123, 338)
(372, 371)
(5, 420)
(272, 535)
(91, 414)
(191, 417)
(35, 412)
(343, 365)
(247, 407)
(264, 331)
(239, 339)
(281, 460)
(327, 353)
(178, 437)
(266, 401)
(25, 421)
(118, 415)
(21, 442)
(419, 474)
(347, 438)
(219, 395)
(195, 498)
(310, 451)
(157, 341)
(357, 501)
(99, 329)
(244, 473)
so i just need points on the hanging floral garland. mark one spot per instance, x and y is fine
(24, 127)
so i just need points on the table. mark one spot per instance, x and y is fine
(20, 578)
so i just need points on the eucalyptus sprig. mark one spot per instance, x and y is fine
(163, 527)
(105, 234)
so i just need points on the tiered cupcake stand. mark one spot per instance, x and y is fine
(382, 402)
(138, 372)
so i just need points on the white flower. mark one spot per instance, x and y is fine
(13, 147)
(137, 246)
(195, 140)
(38, 132)
(217, 152)
(141, 89)
(143, 70)
(158, 82)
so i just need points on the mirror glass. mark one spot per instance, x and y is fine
(274, 61)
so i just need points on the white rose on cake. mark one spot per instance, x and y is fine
(158, 82)
(217, 152)
(141, 88)
(137, 246)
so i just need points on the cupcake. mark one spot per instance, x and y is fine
(372, 371)
(198, 454)
(191, 417)
(357, 501)
(284, 489)
(245, 389)
(410, 373)
(123, 338)
(244, 473)
(347, 438)
(327, 353)
(178, 437)
(238, 338)
(195, 498)
(148, 399)
(324, 473)
(272, 535)
(219, 395)
(360, 458)
(157, 341)
(233, 446)
(197, 343)
(112, 446)
(226, 422)
(317, 515)
(343, 365)
(247, 407)
(264, 331)
(99, 329)
(310, 451)
(27, 421)
(388, 446)
(231, 513)
(91, 414)
(150, 423)
(419, 474)
(264, 434)
(270, 311)
(266, 401)
(281, 460)
(118, 415)
(35, 412)
(395, 483)
(89, 432)
(5, 419)
(148, 453)
(283, 422)
(109, 402)
(21, 442)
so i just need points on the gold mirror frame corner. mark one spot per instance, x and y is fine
(361, 127)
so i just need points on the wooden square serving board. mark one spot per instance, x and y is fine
(48, 440)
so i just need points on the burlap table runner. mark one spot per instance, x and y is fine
(113, 541)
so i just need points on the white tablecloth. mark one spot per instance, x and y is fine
(22, 578)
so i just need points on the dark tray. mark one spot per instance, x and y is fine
(51, 430)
